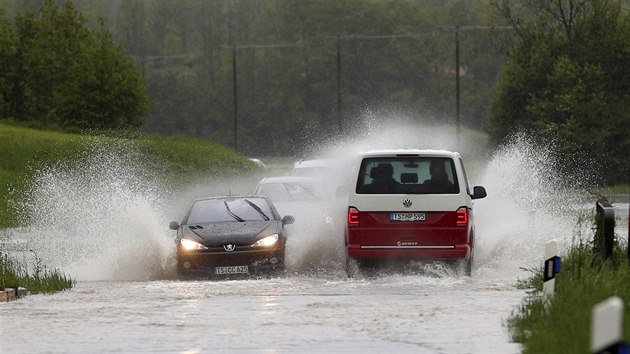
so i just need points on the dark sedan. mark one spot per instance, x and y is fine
(231, 235)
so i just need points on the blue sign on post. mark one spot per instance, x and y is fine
(552, 267)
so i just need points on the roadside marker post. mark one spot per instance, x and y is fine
(607, 327)
(552, 267)
(605, 230)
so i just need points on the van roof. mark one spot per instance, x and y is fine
(419, 152)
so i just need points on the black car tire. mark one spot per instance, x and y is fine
(465, 266)
(352, 269)
(356, 267)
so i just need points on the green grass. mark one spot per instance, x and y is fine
(179, 159)
(615, 190)
(565, 326)
(41, 281)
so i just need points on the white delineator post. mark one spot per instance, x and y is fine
(606, 327)
(552, 267)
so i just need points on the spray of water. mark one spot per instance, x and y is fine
(99, 218)
(530, 201)
(106, 217)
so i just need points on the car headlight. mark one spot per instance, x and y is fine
(266, 241)
(190, 245)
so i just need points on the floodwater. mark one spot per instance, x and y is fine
(105, 224)
(303, 314)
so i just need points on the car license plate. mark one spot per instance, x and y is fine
(407, 217)
(231, 270)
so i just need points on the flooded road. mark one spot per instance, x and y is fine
(306, 314)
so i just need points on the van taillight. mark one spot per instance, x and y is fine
(462, 216)
(353, 216)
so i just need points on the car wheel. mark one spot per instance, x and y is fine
(352, 268)
(465, 266)
(180, 269)
(367, 268)
(279, 267)
(468, 268)
(183, 273)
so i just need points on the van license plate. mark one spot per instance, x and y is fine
(231, 270)
(407, 217)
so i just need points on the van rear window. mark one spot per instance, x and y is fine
(407, 175)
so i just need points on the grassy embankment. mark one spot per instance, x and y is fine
(582, 283)
(23, 151)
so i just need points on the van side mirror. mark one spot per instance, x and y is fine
(174, 225)
(478, 192)
(288, 219)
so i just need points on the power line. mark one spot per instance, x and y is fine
(317, 39)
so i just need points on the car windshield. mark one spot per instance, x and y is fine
(407, 175)
(224, 210)
(292, 191)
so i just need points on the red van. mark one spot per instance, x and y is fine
(411, 205)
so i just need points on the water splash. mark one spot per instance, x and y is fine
(530, 200)
(100, 217)
(105, 217)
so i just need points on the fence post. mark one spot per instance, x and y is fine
(605, 229)
(606, 327)
(552, 267)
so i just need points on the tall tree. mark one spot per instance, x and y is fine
(66, 75)
(567, 79)
(8, 58)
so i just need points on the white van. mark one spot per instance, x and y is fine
(411, 205)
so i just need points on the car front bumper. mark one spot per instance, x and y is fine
(206, 262)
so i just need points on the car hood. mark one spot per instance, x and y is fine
(238, 233)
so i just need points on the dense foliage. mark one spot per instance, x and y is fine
(56, 72)
(568, 79)
(270, 77)
(397, 58)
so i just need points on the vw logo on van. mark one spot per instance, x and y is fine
(407, 203)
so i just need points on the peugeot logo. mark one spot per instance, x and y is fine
(229, 247)
(407, 203)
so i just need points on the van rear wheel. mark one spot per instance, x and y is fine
(352, 268)
(465, 266)
(360, 267)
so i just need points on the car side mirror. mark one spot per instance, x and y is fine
(479, 192)
(288, 219)
(174, 225)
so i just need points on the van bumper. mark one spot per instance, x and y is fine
(421, 252)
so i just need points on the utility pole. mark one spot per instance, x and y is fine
(235, 97)
(339, 87)
(457, 109)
